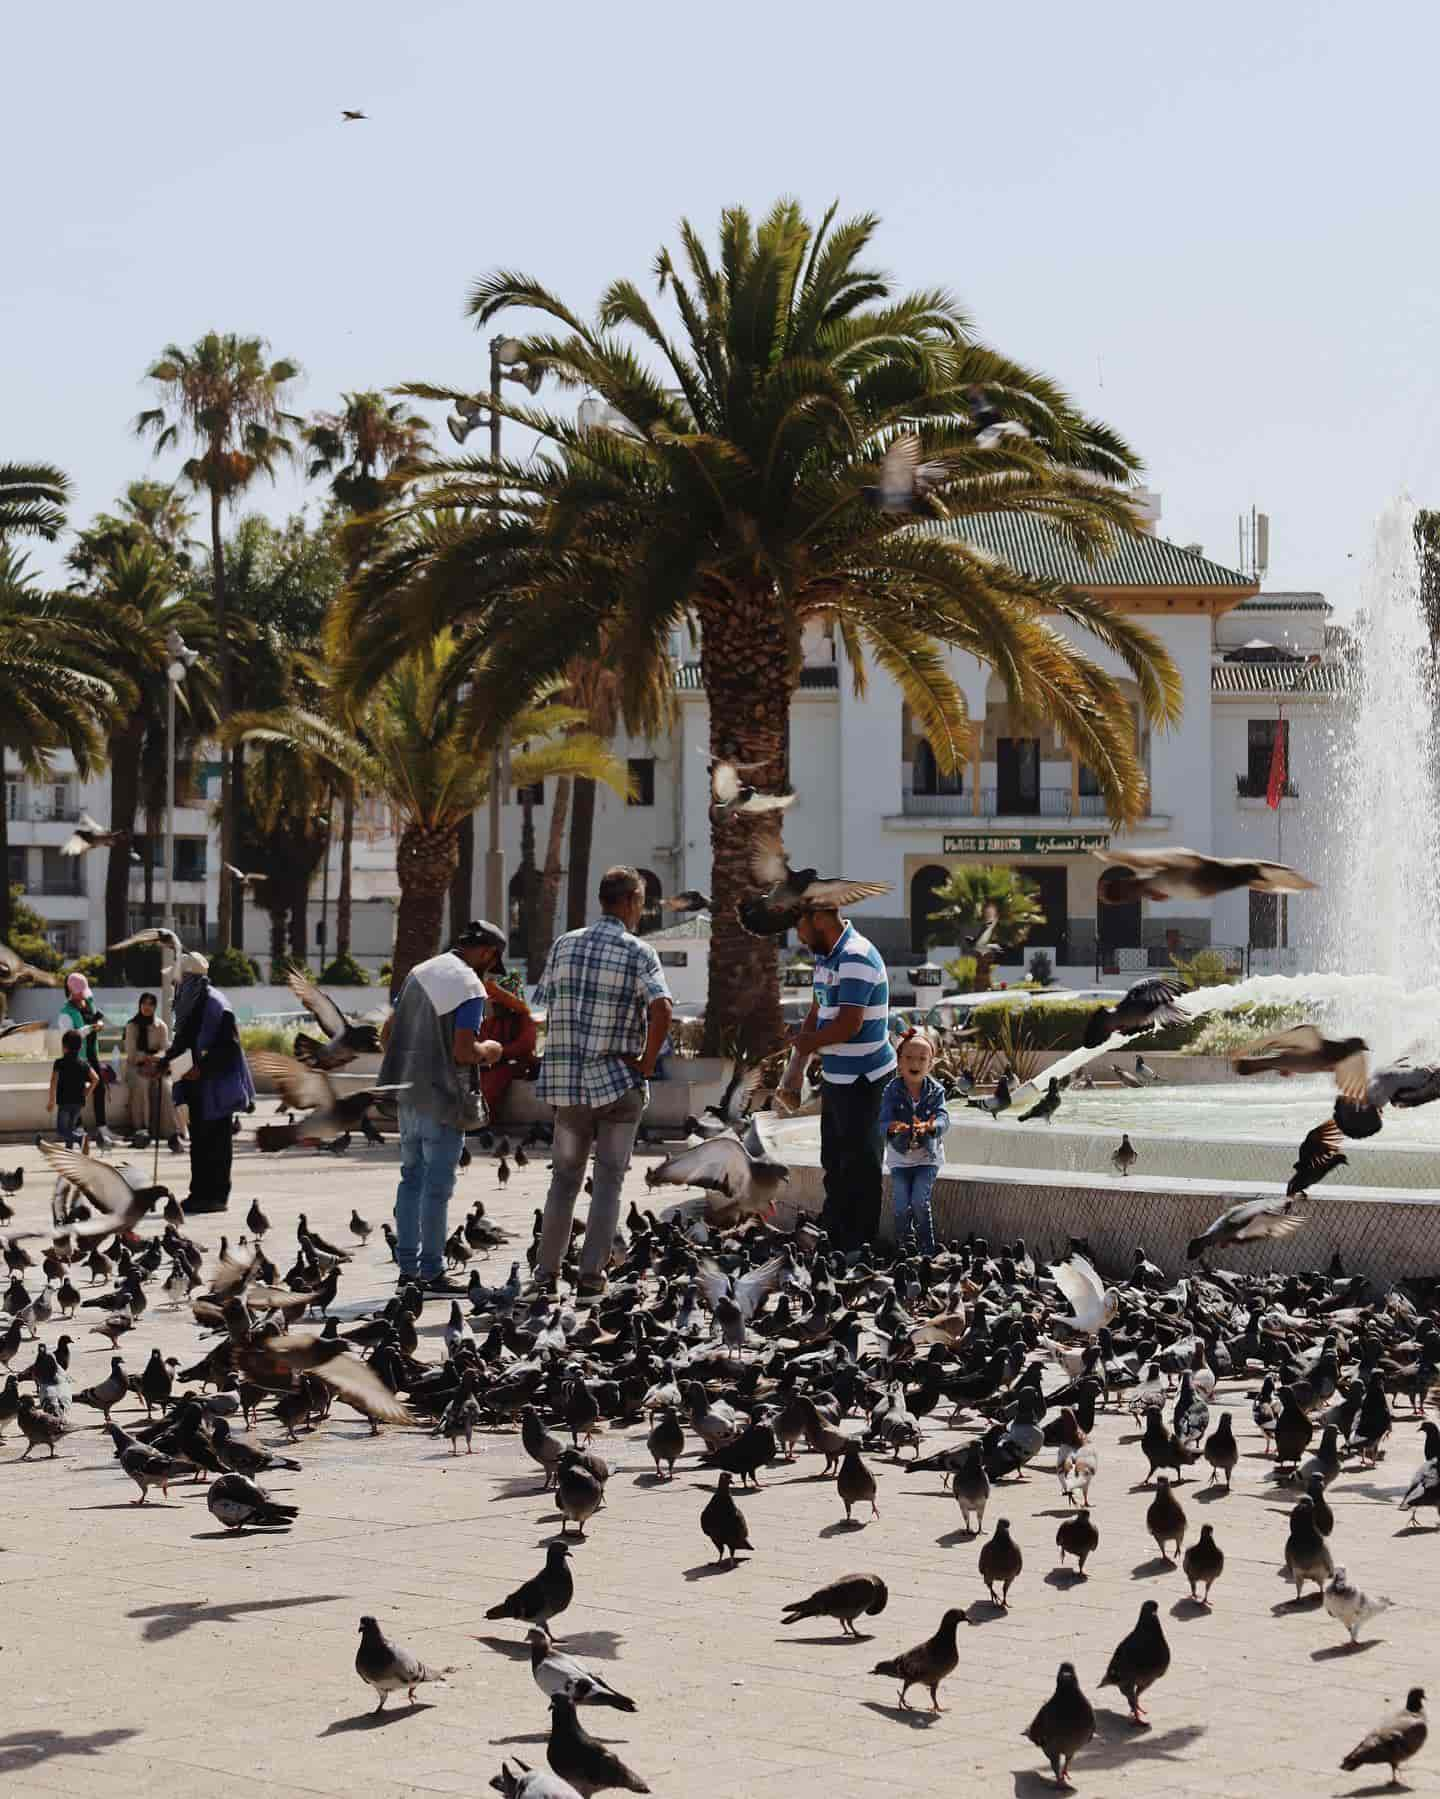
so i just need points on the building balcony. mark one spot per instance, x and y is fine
(61, 889)
(1048, 802)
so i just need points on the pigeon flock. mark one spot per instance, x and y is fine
(1054, 1408)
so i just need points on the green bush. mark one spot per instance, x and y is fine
(233, 968)
(962, 973)
(266, 1036)
(386, 970)
(1060, 1025)
(344, 971)
(92, 967)
(27, 934)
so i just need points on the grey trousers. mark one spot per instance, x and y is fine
(611, 1131)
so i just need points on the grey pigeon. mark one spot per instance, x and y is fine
(389, 1667)
(555, 1672)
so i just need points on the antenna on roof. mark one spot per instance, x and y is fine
(1255, 544)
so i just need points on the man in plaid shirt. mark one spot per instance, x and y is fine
(608, 1009)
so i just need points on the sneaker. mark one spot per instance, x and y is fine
(175, 1145)
(441, 1286)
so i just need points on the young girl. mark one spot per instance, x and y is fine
(914, 1120)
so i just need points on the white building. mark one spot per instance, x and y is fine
(873, 805)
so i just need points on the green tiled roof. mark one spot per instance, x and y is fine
(1278, 677)
(1137, 559)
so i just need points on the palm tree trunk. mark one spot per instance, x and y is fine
(550, 881)
(425, 862)
(343, 904)
(5, 919)
(582, 836)
(462, 886)
(126, 748)
(229, 760)
(277, 938)
(529, 878)
(300, 920)
(149, 875)
(746, 671)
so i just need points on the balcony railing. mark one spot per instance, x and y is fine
(58, 887)
(1051, 802)
(1257, 787)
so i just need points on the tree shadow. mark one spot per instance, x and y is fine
(373, 1720)
(178, 1616)
(24, 1749)
(917, 1720)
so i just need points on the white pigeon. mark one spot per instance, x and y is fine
(1347, 1605)
(1091, 1305)
(555, 1672)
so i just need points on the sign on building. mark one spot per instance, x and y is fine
(1024, 843)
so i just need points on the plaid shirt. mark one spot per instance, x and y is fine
(597, 989)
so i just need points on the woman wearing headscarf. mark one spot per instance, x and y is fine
(215, 1086)
(80, 1013)
(152, 1108)
(508, 1022)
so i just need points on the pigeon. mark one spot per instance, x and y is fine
(1307, 1557)
(1046, 1107)
(666, 1441)
(330, 1111)
(360, 1228)
(15, 972)
(555, 1672)
(588, 1764)
(855, 1484)
(238, 874)
(1126, 1156)
(1304, 1050)
(350, 117)
(1147, 1004)
(1078, 1536)
(1319, 1155)
(748, 1178)
(994, 1103)
(1144, 1072)
(1184, 874)
(15, 1027)
(846, 1599)
(904, 479)
(330, 1360)
(147, 1467)
(1063, 1725)
(235, 1501)
(390, 1667)
(578, 1494)
(345, 1038)
(1347, 1605)
(691, 900)
(724, 1523)
(531, 1784)
(1092, 1307)
(728, 793)
(1252, 1221)
(928, 1663)
(120, 1194)
(88, 835)
(40, 1429)
(1397, 1739)
(1221, 1451)
(1204, 1564)
(991, 425)
(971, 1487)
(791, 891)
(1000, 1563)
(1140, 1659)
(1165, 1519)
(243, 1455)
(544, 1596)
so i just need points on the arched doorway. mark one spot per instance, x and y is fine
(1116, 926)
(650, 918)
(925, 883)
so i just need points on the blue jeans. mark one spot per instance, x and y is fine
(911, 1187)
(68, 1127)
(429, 1162)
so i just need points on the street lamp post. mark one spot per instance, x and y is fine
(507, 363)
(182, 660)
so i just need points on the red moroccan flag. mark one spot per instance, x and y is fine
(1276, 785)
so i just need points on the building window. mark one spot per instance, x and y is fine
(14, 799)
(189, 858)
(1254, 783)
(642, 781)
(925, 883)
(1269, 921)
(928, 777)
(60, 875)
(64, 939)
(15, 871)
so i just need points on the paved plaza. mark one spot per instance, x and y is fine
(144, 1651)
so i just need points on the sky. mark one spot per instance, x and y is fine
(1214, 226)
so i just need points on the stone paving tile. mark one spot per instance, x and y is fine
(171, 1659)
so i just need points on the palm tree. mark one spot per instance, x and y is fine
(54, 694)
(366, 449)
(735, 496)
(152, 513)
(977, 896)
(224, 396)
(130, 602)
(414, 748)
(32, 500)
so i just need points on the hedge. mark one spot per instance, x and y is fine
(1060, 1025)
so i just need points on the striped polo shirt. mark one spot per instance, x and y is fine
(853, 974)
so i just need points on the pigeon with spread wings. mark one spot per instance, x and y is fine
(346, 1038)
(1092, 1305)
(1147, 1004)
(744, 1172)
(1185, 874)
(331, 1360)
(1252, 1221)
(735, 1299)
(1303, 1050)
(904, 479)
(728, 793)
(15, 972)
(1319, 1155)
(329, 1110)
(171, 949)
(90, 835)
(791, 891)
(121, 1195)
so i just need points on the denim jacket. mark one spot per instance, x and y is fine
(897, 1107)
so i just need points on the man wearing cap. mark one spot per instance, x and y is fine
(216, 1085)
(608, 1009)
(849, 1028)
(432, 1048)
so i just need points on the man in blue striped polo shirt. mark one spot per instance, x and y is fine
(849, 1026)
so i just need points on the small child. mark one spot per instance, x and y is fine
(72, 1081)
(914, 1119)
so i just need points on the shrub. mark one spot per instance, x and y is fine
(1042, 969)
(92, 967)
(962, 973)
(1206, 968)
(27, 934)
(233, 968)
(386, 970)
(266, 1036)
(344, 971)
